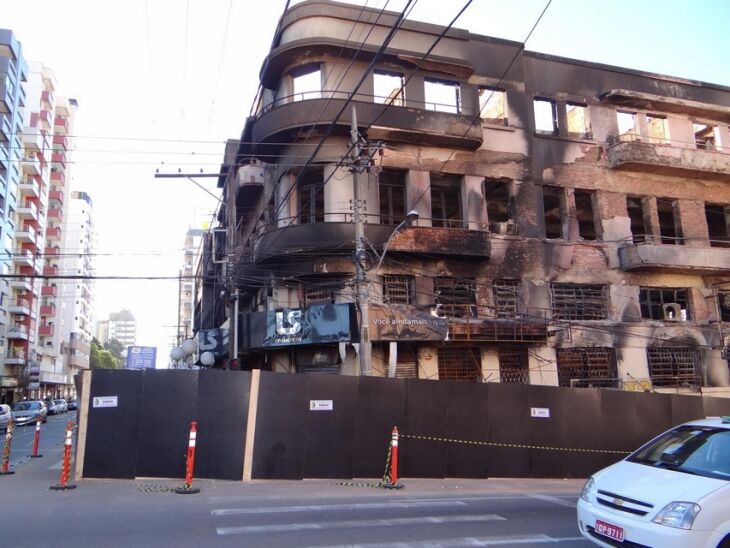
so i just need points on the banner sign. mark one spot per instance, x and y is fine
(141, 357)
(316, 324)
(407, 323)
(213, 340)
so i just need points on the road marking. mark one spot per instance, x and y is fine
(315, 508)
(554, 500)
(468, 541)
(355, 523)
(56, 466)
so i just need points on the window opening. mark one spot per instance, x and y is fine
(311, 197)
(664, 304)
(587, 367)
(514, 366)
(579, 301)
(635, 207)
(392, 192)
(317, 294)
(406, 362)
(399, 289)
(496, 194)
(717, 224)
(442, 95)
(551, 207)
(546, 116)
(669, 228)
(627, 127)
(388, 88)
(578, 125)
(724, 302)
(506, 298)
(585, 215)
(493, 106)
(456, 297)
(704, 136)
(446, 202)
(657, 130)
(459, 364)
(307, 83)
(673, 366)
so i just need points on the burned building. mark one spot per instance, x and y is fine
(567, 221)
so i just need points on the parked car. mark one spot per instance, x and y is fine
(72, 404)
(61, 406)
(5, 415)
(25, 412)
(672, 492)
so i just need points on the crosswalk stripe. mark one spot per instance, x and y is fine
(329, 507)
(355, 523)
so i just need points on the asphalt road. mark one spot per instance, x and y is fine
(322, 513)
(51, 438)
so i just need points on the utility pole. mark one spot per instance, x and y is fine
(361, 280)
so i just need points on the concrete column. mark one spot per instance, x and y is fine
(415, 94)
(562, 117)
(722, 138)
(286, 211)
(475, 207)
(418, 195)
(632, 365)
(681, 132)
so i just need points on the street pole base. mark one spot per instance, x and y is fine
(397, 485)
(187, 490)
(7, 473)
(62, 487)
(35, 456)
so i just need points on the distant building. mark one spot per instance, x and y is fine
(120, 326)
(192, 248)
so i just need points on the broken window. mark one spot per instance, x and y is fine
(311, 196)
(579, 301)
(406, 364)
(506, 298)
(658, 303)
(578, 124)
(704, 136)
(546, 116)
(388, 88)
(459, 364)
(587, 367)
(628, 129)
(456, 297)
(399, 289)
(442, 95)
(724, 305)
(514, 365)
(718, 221)
(317, 359)
(635, 208)
(496, 194)
(307, 83)
(446, 202)
(657, 129)
(551, 204)
(674, 366)
(669, 228)
(584, 214)
(392, 195)
(493, 106)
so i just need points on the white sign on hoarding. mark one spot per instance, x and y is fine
(321, 405)
(105, 401)
(540, 412)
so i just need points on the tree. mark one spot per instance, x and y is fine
(99, 358)
(116, 348)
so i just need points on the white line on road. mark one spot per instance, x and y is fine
(319, 507)
(554, 500)
(355, 523)
(468, 541)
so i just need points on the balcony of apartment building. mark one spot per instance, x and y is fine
(33, 140)
(30, 187)
(17, 332)
(21, 284)
(649, 255)
(59, 157)
(15, 356)
(58, 177)
(47, 100)
(26, 234)
(50, 270)
(52, 251)
(46, 119)
(53, 233)
(31, 164)
(49, 291)
(61, 141)
(48, 309)
(20, 306)
(45, 330)
(60, 124)
(55, 212)
(28, 211)
(23, 257)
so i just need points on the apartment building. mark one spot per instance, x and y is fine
(121, 326)
(545, 221)
(191, 256)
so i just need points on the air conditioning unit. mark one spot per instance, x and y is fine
(672, 312)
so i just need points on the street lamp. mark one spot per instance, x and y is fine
(182, 353)
(411, 216)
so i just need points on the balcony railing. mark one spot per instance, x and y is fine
(53, 233)
(23, 257)
(648, 256)
(61, 140)
(48, 310)
(55, 213)
(45, 330)
(58, 177)
(61, 124)
(17, 332)
(30, 187)
(469, 322)
(49, 291)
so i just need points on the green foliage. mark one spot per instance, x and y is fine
(99, 358)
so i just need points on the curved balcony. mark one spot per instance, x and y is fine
(338, 234)
(418, 123)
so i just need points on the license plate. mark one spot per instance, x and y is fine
(611, 531)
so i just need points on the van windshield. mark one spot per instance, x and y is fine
(698, 450)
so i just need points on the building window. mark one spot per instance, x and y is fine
(552, 209)
(657, 129)
(514, 366)
(724, 305)
(588, 367)
(493, 106)
(388, 88)
(628, 129)
(399, 289)
(674, 366)
(546, 116)
(579, 301)
(717, 224)
(659, 303)
(459, 364)
(669, 227)
(506, 298)
(446, 202)
(635, 208)
(307, 83)
(317, 295)
(442, 95)
(392, 196)
(456, 297)
(584, 214)
(578, 125)
(499, 211)
(704, 136)
(311, 197)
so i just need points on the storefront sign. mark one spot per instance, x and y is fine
(407, 323)
(540, 412)
(213, 340)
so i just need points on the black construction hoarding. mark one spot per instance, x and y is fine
(407, 323)
(284, 327)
